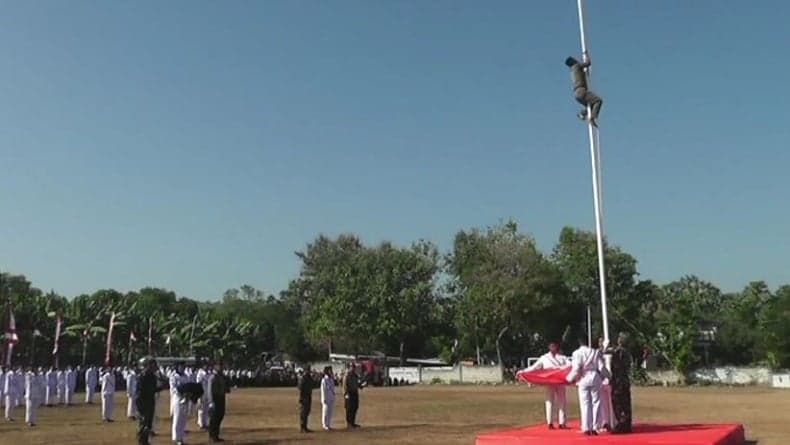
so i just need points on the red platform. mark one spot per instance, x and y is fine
(643, 434)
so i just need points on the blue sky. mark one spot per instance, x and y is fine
(197, 145)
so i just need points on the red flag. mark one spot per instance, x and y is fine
(58, 324)
(109, 339)
(556, 376)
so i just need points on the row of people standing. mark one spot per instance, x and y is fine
(351, 384)
(38, 388)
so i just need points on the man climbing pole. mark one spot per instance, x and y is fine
(580, 90)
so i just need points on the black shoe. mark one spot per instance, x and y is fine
(355, 426)
(551, 426)
(562, 426)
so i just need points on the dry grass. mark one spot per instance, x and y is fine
(437, 415)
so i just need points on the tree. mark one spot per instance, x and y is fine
(739, 337)
(402, 291)
(501, 280)
(775, 329)
(576, 256)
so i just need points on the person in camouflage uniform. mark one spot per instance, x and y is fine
(621, 386)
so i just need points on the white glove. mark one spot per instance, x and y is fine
(606, 344)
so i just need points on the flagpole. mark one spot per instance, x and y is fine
(597, 196)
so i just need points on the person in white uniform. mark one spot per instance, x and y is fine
(91, 381)
(9, 389)
(19, 378)
(71, 385)
(2, 386)
(555, 394)
(51, 392)
(61, 386)
(32, 394)
(131, 394)
(586, 366)
(178, 405)
(327, 398)
(202, 377)
(107, 393)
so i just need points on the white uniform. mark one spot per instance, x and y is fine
(10, 393)
(327, 401)
(107, 394)
(131, 393)
(33, 383)
(51, 395)
(62, 386)
(555, 394)
(178, 407)
(202, 414)
(71, 385)
(19, 378)
(587, 364)
(91, 380)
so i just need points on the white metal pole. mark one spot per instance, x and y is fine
(597, 197)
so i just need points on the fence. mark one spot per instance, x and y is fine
(449, 374)
(724, 375)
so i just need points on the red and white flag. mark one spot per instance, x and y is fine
(58, 325)
(11, 337)
(109, 339)
(10, 330)
(555, 376)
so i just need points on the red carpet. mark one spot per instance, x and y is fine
(644, 434)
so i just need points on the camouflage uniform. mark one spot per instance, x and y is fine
(621, 389)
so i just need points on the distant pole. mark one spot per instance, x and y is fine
(596, 179)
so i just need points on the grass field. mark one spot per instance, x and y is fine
(435, 415)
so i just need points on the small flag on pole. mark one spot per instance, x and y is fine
(109, 340)
(58, 325)
(10, 334)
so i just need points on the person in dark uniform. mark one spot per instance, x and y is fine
(305, 385)
(351, 386)
(621, 386)
(581, 90)
(218, 388)
(147, 387)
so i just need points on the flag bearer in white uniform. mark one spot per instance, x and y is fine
(555, 394)
(587, 365)
(107, 393)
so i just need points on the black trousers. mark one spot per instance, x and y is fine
(215, 418)
(145, 422)
(352, 406)
(304, 413)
